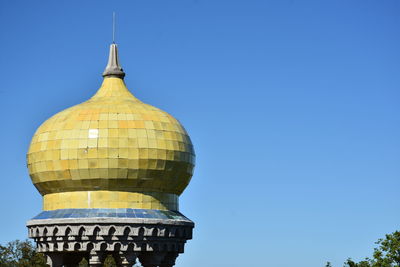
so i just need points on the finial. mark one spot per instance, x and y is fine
(113, 69)
(113, 27)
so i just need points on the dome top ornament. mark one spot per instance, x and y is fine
(113, 68)
(112, 151)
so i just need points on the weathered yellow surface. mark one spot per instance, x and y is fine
(112, 142)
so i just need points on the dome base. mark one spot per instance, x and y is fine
(156, 239)
(102, 199)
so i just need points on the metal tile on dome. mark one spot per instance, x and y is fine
(111, 142)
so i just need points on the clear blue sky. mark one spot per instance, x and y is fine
(292, 105)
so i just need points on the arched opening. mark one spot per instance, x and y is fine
(131, 247)
(111, 231)
(81, 231)
(68, 231)
(96, 231)
(89, 246)
(154, 232)
(103, 247)
(77, 247)
(141, 232)
(127, 231)
(166, 232)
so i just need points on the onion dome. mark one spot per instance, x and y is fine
(112, 151)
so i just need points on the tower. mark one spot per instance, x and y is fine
(110, 171)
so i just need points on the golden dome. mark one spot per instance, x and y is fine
(112, 151)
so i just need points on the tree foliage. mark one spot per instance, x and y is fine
(364, 263)
(20, 254)
(108, 262)
(387, 254)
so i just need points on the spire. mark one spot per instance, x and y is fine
(113, 69)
